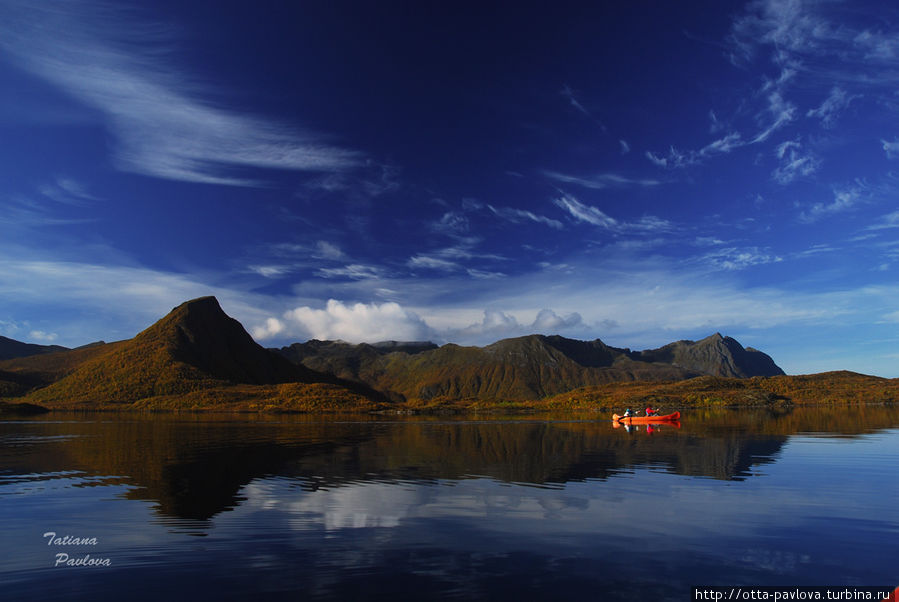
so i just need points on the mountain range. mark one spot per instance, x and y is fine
(197, 357)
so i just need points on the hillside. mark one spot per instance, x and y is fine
(10, 348)
(841, 387)
(196, 354)
(40, 370)
(530, 367)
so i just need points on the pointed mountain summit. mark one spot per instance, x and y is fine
(715, 355)
(200, 334)
(196, 347)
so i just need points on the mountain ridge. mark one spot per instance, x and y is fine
(198, 357)
(528, 367)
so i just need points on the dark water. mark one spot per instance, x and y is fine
(225, 507)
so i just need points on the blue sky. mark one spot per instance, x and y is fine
(460, 172)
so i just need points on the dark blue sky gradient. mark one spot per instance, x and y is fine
(637, 172)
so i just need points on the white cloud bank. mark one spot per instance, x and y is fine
(354, 323)
(372, 322)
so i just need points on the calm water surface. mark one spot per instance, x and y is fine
(366, 508)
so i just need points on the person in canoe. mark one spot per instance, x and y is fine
(627, 413)
(651, 412)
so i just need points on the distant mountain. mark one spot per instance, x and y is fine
(10, 348)
(716, 356)
(529, 367)
(195, 348)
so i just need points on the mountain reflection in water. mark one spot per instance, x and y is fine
(195, 467)
(498, 508)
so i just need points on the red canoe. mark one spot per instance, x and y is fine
(646, 419)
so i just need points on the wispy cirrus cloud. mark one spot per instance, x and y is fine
(595, 216)
(353, 271)
(829, 42)
(24, 213)
(162, 125)
(322, 258)
(457, 258)
(432, 262)
(722, 145)
(458, 224)
(809, 43)
(877, 44)
(775, 116)
(271, 270)
(779, 113)
(521, 215)
(568, 93)
(600, 181)
(660, 160)
(67, 191)
(844, 199)
(676, 158)
(373, 181)
(794, 163)
(734, 258)
(888, 221)
(832, 106)
(791, 27)
(452, 224)
(585, 213)
(715, 124)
